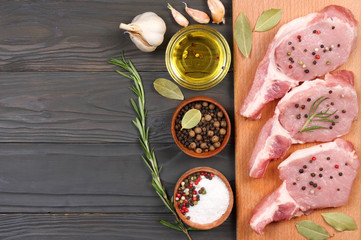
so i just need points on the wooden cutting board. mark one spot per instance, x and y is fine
(250, 191)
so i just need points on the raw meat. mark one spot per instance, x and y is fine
(317, 177)
(303, 49)
(338, 105)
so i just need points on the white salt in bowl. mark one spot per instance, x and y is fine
(214, 207)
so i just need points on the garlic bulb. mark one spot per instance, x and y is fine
(217, 10)
(178, 17)
(197, 15)
(146, 31)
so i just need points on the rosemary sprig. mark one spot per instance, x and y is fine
(313, 116)
(149, 155)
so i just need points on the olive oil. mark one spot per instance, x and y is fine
(198, 57)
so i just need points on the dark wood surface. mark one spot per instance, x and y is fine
(70, 162)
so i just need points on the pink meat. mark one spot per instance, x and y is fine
(313, 178)
(292, 112)
(303, 49)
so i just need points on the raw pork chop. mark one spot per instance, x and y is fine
(303, 49)
(313, 178)
(330, 103)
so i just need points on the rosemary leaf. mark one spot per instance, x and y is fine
(309, 129)
(314, 116)
(143, 129)
(168, 224)
(194, 229)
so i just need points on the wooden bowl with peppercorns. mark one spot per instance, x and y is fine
(203, 198)
(210, 135)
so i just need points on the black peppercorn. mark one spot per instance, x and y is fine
(303, 187)
(300, 171)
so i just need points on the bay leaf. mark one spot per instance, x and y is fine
(268, 20)
(191, 119)
(339, 221)
(168, 89)
(311, 230)
(243, 35)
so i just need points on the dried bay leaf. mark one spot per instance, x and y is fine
(191, 119)
(268, 20)
(339, 221)
(168, 89)
(243, 34)
(311, 230)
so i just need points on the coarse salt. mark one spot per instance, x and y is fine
(212, 205)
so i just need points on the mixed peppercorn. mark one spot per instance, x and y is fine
(316, 176)
(315, 52)
(188, 194)
(209, 133)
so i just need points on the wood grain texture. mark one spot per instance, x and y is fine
(92, 177)
(70, 165)
(82, 35)
(86, 107)
(250, 191)
(99, 226)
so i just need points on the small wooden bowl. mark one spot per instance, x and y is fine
(191, 152)
(220, 220)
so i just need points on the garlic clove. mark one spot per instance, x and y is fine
(140, 43)
(197, 15)
(146, 31)
(178, 17)
(217, 10)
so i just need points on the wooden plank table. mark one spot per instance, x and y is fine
(70, 162)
